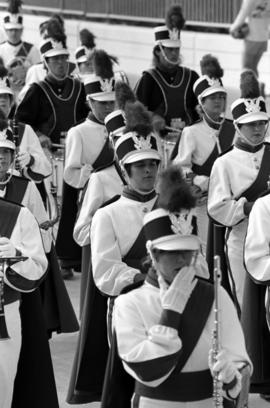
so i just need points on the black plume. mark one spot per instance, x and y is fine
(14, 6)
(55, 30)
(103, 64)
(87, 38)
(3, 71)
(174, 192)
(175, 18)
(210, 66)
(249, 84)
(123, 94)
(138, 118)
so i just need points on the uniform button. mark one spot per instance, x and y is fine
(145, 210)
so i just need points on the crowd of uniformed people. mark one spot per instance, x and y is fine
(157, 199)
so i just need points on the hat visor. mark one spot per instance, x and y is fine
(177, 243)
(169, 43)
(138, 156)
(6, 90)
(102, 96)
(252, 117)
(7, 144)
(81, 59)
(54, 53)
(212, 90)
(13, 26)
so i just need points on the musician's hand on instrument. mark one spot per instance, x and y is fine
(158, 123)
(45, 141)
(22, 160)
(227, 372)
(175, 296)
(6, 247)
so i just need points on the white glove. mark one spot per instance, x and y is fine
(175, 296)
(22, 160)
(7, 249)
(227, 372)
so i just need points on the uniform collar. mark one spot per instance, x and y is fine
(132, 194)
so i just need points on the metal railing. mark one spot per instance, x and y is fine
(212, 12)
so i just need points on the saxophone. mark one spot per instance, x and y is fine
(217, 385)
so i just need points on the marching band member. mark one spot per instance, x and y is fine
(201, 143)
(14, 47)
(55, 300)
(31, 160)
(164, 328)
(84, 53)
(240, 176)
(166, 89)
(19, 236)
(117, 250)
(104, 186)
(256, 312)
(51, 107)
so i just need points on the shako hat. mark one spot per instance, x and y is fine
(205, 86)
(132, 147)
(52, 47)
(14, 19)
(82, 54)
(115, 122)
(170, 231)
(167, 38)
(99, 89)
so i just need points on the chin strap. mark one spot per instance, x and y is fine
(166, 58)
(245, 138)
(12, 167)
(53, 75)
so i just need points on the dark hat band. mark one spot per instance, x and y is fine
(115, 123)
(128, 146)
(157, 228)
(203, 85)
(80, 53)
(241, 109)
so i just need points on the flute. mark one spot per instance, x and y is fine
(217, 385)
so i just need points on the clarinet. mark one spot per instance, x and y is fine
(3, 326)
(217, 385)
(4, 261)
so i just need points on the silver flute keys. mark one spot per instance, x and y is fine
(217, 385)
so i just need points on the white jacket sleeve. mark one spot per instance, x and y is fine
(41, 166)
(148, 355)
(93, 199)
(110, 273)
(25, 275)
(222, 205)
(76, 172)
(257, 252)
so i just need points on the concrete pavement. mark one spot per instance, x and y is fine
(63, 349)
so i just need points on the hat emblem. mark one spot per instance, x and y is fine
(57, 45)
(3, 136)
(106, 85)
(174, 34)
(181, 222)
(141, 143)
(252, 105)
(4, 82)
(213, 82)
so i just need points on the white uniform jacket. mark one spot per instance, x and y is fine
(150, 349)
(231, 175)
(196, 144)
(8, 52)
(84, 142)
(113, 232)
(33, 201)
(102, 186)
(26, 238)
(41, 167)
(257, 252)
